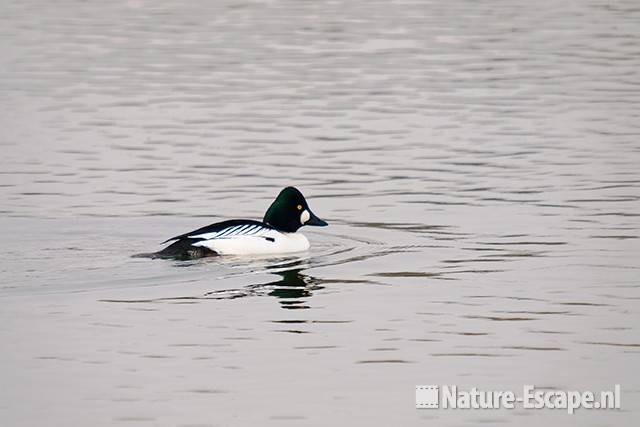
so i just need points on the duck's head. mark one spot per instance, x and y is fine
(290, 211)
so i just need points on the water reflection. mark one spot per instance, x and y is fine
(292, 289)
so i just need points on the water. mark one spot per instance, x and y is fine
(477, 162)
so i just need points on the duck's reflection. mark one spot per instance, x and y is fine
(292, 289)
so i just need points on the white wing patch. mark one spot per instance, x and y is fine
(251, 239)
(233, 231)
(247, 239)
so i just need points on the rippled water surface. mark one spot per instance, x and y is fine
(478, 163)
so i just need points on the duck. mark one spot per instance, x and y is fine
(276, 234)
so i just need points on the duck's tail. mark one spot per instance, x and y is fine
(180, 250)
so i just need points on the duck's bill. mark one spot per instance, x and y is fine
(314, 220)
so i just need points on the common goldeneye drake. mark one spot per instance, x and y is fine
(276, 234)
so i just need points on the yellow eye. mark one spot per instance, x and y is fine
(299, 207)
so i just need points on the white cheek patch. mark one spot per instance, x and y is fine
(304, 216)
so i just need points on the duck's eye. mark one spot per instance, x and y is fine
(299, 207)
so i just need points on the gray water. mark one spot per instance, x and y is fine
(478, 163)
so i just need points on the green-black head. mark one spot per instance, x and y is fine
(290, 211)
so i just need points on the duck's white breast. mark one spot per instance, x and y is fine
(268, 242)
